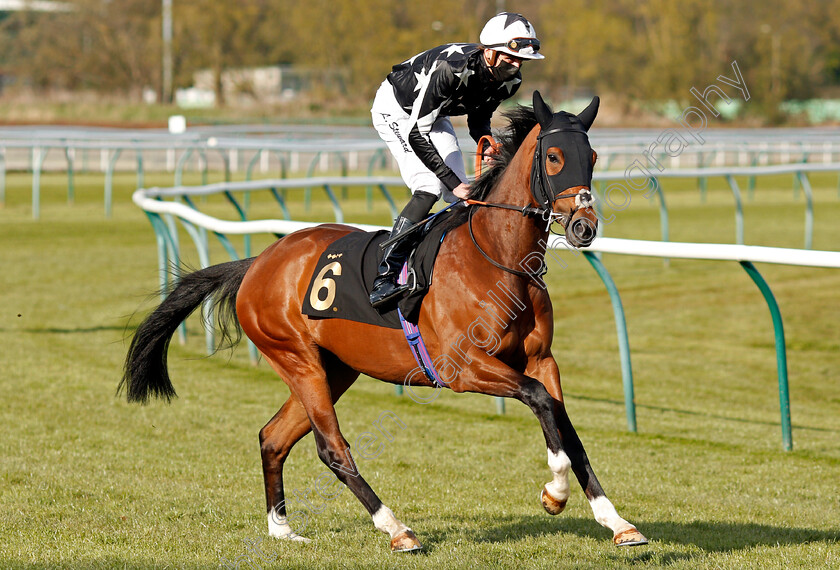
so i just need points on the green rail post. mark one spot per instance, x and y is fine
(249, 170)
(179, 166)
(204, 165)
(109, 182)
(751, 179)
(809, 207)
(310, 171)
(38, 156)
(344, 171)
(278, 197)
(246, 200)
(623, 342)
(377, 158)
(500, 405)
(246, 239)
(168, 259)
(663, 215)
(225, 162)
(339, 214)
(200, 240)
(71, 187)
(796, 178)
(141, 175)
(174, 261)
(702, 181)
(391, 205)
(739, 209)
(281, 159)
(165, 245)
(781, 356)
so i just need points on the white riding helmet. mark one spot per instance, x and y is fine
(512, 34)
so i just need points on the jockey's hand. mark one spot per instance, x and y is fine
(462, 190)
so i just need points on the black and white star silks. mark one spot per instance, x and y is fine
(447, 81)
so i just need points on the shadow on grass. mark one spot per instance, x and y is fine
(706, 535)
(693, 413)
(80, 330)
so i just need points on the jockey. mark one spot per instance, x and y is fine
(411, 114)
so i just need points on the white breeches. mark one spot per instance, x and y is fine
(393, 125)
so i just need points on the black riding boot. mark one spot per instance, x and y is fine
(385, 287)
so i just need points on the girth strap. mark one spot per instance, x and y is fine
(415, 340)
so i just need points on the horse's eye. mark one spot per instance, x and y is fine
(554, 160)
(594, 157)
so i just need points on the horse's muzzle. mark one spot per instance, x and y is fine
(581, 232)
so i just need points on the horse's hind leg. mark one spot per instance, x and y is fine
(277, 438)
(306, 370)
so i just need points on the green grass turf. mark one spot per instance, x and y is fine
(88, 481)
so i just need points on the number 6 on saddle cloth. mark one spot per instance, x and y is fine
(343, 277)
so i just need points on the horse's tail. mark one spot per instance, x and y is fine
(145, 364)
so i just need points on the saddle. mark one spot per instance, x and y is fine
(340, 285)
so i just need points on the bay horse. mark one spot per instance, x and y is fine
(542, 174)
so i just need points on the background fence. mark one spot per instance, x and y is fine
(250, 151)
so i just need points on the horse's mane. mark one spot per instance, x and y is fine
(520, 122)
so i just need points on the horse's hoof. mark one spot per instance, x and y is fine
(629, 537)
(405, 542)
(551, 505)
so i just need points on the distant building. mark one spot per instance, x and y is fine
(34, 5)
(258, 85)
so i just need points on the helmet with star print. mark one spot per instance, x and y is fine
(511, 34)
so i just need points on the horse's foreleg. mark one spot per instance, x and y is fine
(556, 492)
(495, 378)
(573, 456)
(624, 533)
(565, 450)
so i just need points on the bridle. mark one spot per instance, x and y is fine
(542, 187)
(543, 192)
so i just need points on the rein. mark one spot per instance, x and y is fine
(544, 214)
(546, 195)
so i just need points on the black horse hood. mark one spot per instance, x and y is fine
(574, 143)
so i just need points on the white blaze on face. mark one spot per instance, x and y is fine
(279, 527)
(384, 520)
(559, 464)
(584, 199)
(607, 516)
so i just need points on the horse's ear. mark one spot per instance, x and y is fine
(587, 116)
(541, 110)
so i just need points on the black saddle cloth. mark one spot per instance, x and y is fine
(341, 283)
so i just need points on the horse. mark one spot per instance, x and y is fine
(542, 174)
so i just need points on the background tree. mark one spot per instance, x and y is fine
(108, 46)
(650, 50)
(220, 35)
